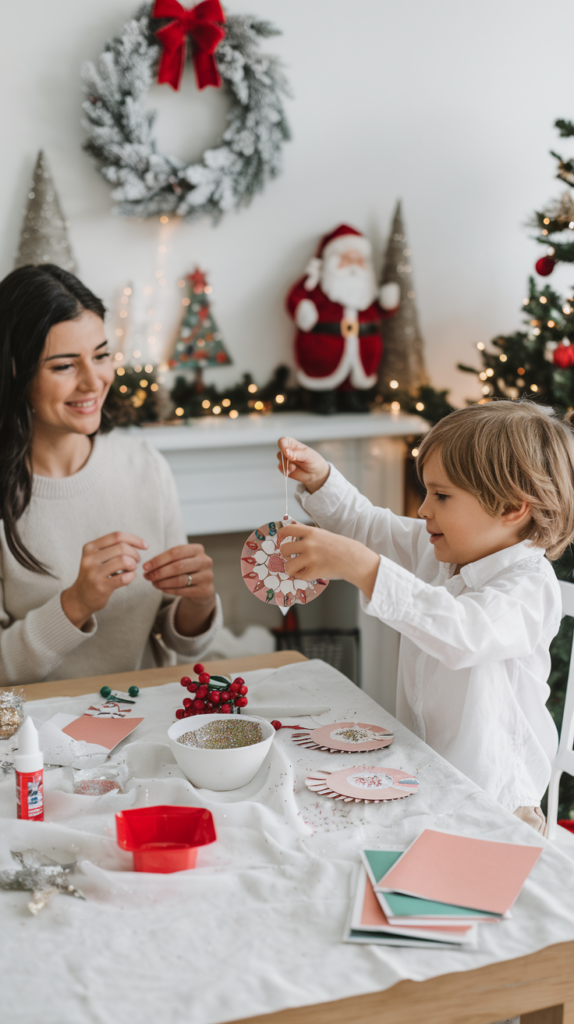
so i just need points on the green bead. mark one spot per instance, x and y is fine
(133, 691)
(105, 691)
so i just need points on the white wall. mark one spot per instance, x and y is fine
(445, 103)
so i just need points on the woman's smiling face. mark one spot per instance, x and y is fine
(74, 377)
(461, 530)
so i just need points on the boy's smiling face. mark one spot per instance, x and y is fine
(461, 530)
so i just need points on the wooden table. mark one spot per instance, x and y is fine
(153, 676)
(539, 987)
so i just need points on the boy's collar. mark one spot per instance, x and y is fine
(476, 574)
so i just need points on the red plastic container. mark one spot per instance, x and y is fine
(164, 838)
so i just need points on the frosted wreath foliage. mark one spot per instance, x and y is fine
(148, 183)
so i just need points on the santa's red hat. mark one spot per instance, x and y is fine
(338, 241)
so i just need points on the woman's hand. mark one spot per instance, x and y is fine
(323, 555)
(107, 564)
(171, 573)
(302, 463)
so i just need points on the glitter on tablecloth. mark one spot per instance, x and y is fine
(354, 735)
(95, 787)
(229, 732)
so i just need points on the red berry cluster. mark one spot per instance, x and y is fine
(211, 695)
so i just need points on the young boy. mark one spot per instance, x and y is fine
(476, 627)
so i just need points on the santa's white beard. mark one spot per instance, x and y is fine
(351, 286)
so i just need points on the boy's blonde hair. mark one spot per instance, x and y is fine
(509, 452)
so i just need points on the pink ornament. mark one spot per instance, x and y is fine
(368, 784)
(268, 579)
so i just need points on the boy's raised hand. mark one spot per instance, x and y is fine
(302, 463)
(311, 553)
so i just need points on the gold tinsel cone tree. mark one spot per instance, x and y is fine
(403, 359)
(44, 235)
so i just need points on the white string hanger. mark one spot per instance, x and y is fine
(286, 517)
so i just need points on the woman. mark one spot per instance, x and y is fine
(96, 575)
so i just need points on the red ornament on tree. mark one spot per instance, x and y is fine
(545, 265)
(564, 356)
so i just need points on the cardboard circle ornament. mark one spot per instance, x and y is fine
(344, 738)
(263, 570)
(363, 784)
(152, 47)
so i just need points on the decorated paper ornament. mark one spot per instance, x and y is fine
(344, 737)
(263, 570)
(263, 565)
(545, 265)
(363, 784)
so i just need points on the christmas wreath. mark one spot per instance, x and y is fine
(154, 45)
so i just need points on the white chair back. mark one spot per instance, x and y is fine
(564, 760)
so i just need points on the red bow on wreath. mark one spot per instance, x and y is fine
(201, 23)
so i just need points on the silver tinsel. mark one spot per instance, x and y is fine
(403, 360)
(11, 712)
(44, 236)
(39, 875)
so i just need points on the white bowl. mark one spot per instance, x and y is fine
(218, 769)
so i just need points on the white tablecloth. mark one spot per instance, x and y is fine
(257, 926)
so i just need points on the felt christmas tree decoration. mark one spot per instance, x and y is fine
(199, 344)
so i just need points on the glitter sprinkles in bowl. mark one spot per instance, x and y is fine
(223, 734)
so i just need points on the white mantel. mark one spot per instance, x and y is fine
(226, 469)
(261, 429)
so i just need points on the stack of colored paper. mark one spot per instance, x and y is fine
(437, 891)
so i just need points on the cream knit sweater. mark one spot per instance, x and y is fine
(125, 485)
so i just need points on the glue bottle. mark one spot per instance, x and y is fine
(29, 767)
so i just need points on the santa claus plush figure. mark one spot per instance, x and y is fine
(338, 309)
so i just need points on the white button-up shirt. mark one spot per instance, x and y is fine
(474, 658)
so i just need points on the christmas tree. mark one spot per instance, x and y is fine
(44, 235)
(199, 343)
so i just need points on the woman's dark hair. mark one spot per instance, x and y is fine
(32, 301)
